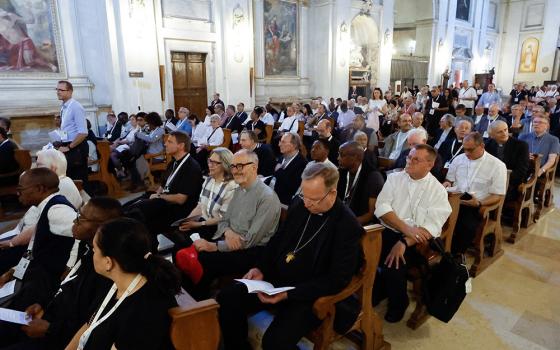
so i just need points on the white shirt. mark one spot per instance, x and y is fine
(373, 116)
(199, 132)
(68, 189)
(469, 92)
(422, 203)
(212, 137)
(92, 155)
(480, 177)
(290, 124)
(61, 217)
(400, 139)
(268, 119)
(477, 119)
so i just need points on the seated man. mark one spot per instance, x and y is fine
(249, 141)
(445, 131)
(417, 119)
(232, 122)
(320, 152)
(453, 147)
(358, 184)
(324, 130)
(482, 177)
(478, 116)
(246, 228)
(179, 191)
(396, 142)
(418, 137)
(39, 271)
(541, 142)
(54, 323)
(493, 114)
(290, 124)
(8, 163)
(413, 207)
(255, 124)
(370, 154)
(317, 252)
(285, 181)
(359, 124)
(513, 152)
(519, 123)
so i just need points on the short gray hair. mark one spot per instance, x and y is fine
(214, 117)
(358, 134)
(226, 157)
(496, 124)
(294, 139)
(449, 119)
(53, 158)
(328, 173)
(249, 154)
(418, 132)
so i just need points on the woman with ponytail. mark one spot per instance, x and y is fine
(134, 314)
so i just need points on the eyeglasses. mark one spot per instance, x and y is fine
(80, 217)
(240, 166)
(61, 89)
(311, 201)
(415, 160)
(213, 162)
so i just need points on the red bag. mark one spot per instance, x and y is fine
(186, 260)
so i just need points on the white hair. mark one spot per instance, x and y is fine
(54, 160)
(417, 132)
(214, 117)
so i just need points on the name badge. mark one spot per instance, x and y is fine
(21, 267)
(485, 135)
(63, 135)
(432, 111)
(435, 104)
(479, 91)
(486, 105)
(516, 99)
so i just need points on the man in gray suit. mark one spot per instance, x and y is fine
(396, 142)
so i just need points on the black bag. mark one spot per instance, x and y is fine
(444, 287)
(138, 148)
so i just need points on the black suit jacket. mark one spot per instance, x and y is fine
(7, 159)
(115, 133)
(267, 160)
(241, 116)
(233, 123)
(445, 150)
(450, 135)
(516, 158)
(289, 179)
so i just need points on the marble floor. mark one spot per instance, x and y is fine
(515, 303)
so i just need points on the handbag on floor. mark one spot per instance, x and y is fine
(445, 285)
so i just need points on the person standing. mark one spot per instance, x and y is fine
(73, 133)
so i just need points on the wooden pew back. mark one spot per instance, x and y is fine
(194, 325)
(103, 174)
(545, 189)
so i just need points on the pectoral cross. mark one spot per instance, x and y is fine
(289, 257)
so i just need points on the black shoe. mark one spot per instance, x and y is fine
(396, 315)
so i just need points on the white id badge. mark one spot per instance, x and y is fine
(468, 285)
(516, 99)
(446, 166)
(195, 237)
(435, 104)
(21, 267)
(486, 105)
(63, 135)
(432, 111)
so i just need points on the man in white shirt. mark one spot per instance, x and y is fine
(467, 96)
(482, 178)
(413, 207)
(290, 123)
(396, 142)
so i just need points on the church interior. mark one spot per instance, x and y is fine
(370, 92)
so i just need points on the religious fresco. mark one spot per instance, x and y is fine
(30, 43)
(280, 37)
(529, 54)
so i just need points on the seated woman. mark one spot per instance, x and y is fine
(214, 136)
(154, 143)
(119, 148)
(198, 129)
(214, 199)
(134, 314)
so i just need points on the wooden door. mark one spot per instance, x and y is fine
(189, 81)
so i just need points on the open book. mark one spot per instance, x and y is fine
(262, 286)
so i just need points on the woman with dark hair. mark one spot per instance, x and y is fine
(153, 144)
(451, 100)
(376, 108)
(307, 111)
(134, 314)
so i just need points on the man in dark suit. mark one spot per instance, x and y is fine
(287, 176)
(445, 131)
(454, 146)
(216, 100)
(436, 107)
(324, 267)
(419, 137)
(324, 130)
(114, 132)
(250, 141)
(232, 122)
(493, 115)
(513, 152)
(241, 114)
(8, 162)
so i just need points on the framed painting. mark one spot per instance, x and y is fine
(281, 38)
(529, 55)
(463, 10)
(30, 40)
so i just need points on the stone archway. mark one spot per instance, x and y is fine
(364, 52)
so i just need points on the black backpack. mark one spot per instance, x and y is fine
(444, 286)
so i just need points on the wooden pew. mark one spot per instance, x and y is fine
(524, 208)
(368, 324)
(155, 164)
(416, 273)
(490, 225)
(545, 190)
(194, 325)
(269, 130)
(385, 163)
(103, 174)
(23, 158)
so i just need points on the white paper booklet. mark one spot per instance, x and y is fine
(14, 316)
(9, 234)
(8, 289)
(262, 286)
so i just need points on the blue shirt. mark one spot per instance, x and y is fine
(184, 125)
(487, 99)
(544, 145)
(73, 118)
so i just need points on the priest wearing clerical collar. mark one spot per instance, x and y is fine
(453, 147)
(317, 251)
(413, 207)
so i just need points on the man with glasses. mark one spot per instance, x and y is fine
(54, 323)
(73, 133)
(247, 226)
(39, 271)
(482, 179)
(317, 251)
(541, 142)
(359, 184)
(413, 207)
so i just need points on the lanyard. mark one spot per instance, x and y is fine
(453, 155)
(64, 108)
(212, 133)
(287, 162)
(470, 179)
(349, 191)
(172, 176)
(3, 142)
(96, 321)
(212, 202)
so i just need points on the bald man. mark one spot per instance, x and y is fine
(513, 152)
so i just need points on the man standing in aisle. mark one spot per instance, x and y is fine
(73, 133)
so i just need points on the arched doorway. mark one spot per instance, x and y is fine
(364, 54)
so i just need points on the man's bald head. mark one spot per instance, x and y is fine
(41, 177)
(352, 149)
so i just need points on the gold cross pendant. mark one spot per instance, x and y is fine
(289, 257)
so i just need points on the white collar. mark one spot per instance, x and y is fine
(44, 202)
